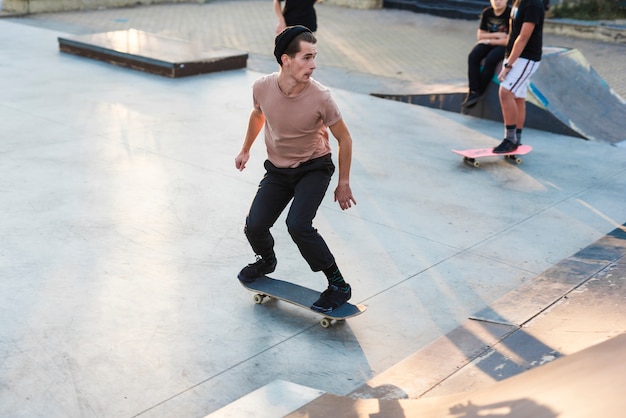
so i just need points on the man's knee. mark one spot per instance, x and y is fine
(492, 61)
(475, 57)
(504, 93)
(254, 229)
(299, 229)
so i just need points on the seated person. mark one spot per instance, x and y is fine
(492, 37)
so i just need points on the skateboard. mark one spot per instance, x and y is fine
(267, 287)
(470, 156)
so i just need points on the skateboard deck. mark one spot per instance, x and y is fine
(267, 287)
(470, 156)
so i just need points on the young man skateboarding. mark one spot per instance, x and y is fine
(296, 112)
(522, 58)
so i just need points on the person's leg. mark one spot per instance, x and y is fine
(508, 103)
(492, 59)
(474, 63)
(513, 91)
(308, 195)
(311, 185)
(520, 104)
(307, 198)
(474, 60)
(271, 198)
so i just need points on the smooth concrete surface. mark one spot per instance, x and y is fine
(122, 236)
(276, 399)
(575, 304)
(586, 316)
(555, 390)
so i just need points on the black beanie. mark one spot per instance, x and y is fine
(284, 38)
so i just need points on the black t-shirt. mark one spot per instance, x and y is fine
(527, 11)
(489, 22)
(300, 12)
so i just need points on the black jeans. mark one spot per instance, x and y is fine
(306, 185)
(479, 80)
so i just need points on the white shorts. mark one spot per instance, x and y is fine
(518, 78)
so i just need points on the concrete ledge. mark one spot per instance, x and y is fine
(357, 4)
(152, 53)
(451, 9)
(605, 31)
(487, 108)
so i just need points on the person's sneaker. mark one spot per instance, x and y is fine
(505, 146)
(332, 298)
(471, 99)
(253, 271)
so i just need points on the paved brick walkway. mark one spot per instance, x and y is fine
(406, 48)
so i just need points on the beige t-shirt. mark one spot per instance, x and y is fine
(295, 127)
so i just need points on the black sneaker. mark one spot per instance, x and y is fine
(505, 147)
(253, 271)
(332, 298)
(471, 99)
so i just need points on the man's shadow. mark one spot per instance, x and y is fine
(514, 408)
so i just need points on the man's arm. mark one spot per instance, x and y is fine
(491, 38)
(483, 36)
(518, 46)
(257, 119)
(343, 193)
(278, 11)
(521, 41)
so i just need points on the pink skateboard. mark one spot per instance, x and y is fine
(470, 156)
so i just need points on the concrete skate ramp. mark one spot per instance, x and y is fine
(566, 96)
(566, 86)
(589, 383)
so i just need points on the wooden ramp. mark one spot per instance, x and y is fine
(156, 54)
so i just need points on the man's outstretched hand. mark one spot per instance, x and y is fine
(241, 160)
(343, 195)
